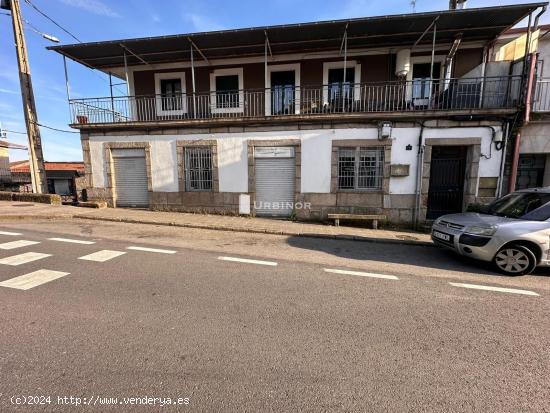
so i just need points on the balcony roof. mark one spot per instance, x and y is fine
(476, 24)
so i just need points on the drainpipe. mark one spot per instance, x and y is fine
(528, 98)
(526, 118)
(419, 172)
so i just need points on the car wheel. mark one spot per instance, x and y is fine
(515, 260)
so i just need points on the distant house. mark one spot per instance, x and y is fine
(60, 176)
(5, 173)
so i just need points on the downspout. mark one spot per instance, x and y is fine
(419, 172)
(528, 98)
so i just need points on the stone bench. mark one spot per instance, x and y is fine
(356, 217)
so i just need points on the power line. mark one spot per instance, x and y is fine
(42, 126)
(34, 29)
(70, 34)
(52, 20)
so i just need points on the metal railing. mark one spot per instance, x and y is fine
(541, 97)
(397, 96)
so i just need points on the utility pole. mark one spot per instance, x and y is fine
(36, 158)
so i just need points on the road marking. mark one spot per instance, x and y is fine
(23, 258)
(362, 274)
(17, 244)
(74, 241)
(247, 261)
(102, 256)
(10, 233)
(498, 289)
(33, 279)
(161, 251)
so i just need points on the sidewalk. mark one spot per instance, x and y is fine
(10, 211)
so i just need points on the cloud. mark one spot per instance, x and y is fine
(201, 23)
(8, 91)
(92, 6)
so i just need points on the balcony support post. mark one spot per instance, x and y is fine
(111, 94)
(344, 46)
(432, 64)
(67, 87)
(193, 82)
(267, 90)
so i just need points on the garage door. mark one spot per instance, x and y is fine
(130, 177)
(275, 172)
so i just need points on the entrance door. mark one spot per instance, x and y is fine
(275, 174)
(130, 177)
(282, 92)
(447, 173)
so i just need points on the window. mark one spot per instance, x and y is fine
(360, 168)
(170, 94)
(198, 169)
(335, 90)
(226, 91)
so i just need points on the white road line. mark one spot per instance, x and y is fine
(490, 288)
(10, 233)
(23, 258)
(33, 279)
(74, 241)
(102, 256)
(247, 261)
(362, 274)
(17, 244)
(161, 251)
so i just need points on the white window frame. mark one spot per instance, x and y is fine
(158, 93)
(340, 65)
(423, 59)
(226, 72)
(283, 68)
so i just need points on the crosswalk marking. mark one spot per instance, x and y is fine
(247, 261)
(23, 258)
(161, 251)
(362, 274)
(102, 256)
(491, 288)
(17, 244)
(33, 279)
(74, 241)
(15, 234)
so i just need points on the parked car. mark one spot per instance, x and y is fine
(513, 232)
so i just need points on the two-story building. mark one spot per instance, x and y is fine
(403, 115)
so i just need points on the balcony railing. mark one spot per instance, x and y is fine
(337, 98)
(541, 97)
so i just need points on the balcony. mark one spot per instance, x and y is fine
(338, 100)
(541, 97)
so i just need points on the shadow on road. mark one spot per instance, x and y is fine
(420, 256)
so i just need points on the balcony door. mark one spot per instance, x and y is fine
(340, 90)
(283, 86)
(423, 84)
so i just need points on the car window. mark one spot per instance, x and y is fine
(521, 205)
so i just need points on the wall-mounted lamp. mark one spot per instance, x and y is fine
(384, 130)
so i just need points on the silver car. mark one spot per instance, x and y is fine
(513, 232)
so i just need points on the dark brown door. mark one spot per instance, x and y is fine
(447, 172)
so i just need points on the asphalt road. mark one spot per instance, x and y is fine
(282, 334)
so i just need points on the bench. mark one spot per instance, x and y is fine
(356, 217)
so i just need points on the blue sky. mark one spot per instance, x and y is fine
(93, 20)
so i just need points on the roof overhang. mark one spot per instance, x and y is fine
(479, 24)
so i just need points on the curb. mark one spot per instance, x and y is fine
(265, 231)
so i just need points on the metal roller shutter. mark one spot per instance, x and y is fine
(275, 186)
(130, 178)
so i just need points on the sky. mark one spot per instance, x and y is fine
(96, 20)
